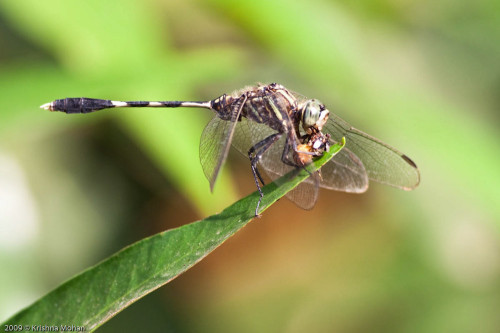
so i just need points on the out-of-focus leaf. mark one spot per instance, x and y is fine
(81, 36)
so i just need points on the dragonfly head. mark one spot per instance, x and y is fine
(313, 114)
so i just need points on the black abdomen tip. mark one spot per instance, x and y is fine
(80, 105)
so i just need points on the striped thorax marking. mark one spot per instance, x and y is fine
(270, 104)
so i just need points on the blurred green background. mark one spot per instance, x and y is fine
(422, 76)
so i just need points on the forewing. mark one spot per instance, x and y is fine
(383, 163)
(248, 133)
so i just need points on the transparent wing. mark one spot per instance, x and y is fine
(249, 133)
(214, 145)
(344, 172)
(383, 163)
(216, 141)
(303, 195)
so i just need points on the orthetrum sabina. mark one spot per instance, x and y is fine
(280, 131)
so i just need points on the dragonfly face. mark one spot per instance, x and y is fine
(280, 131)
(313, 115)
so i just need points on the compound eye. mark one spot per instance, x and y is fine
(311, 112)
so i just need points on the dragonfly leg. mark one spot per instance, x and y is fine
(254, 154)
(284, 156)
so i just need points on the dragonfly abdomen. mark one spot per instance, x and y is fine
(87, 105)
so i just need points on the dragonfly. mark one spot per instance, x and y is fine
(281, 131)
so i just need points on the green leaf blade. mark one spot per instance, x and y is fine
(97, 294)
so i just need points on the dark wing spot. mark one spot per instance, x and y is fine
(409, 161)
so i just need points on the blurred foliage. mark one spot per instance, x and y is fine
(422, 76)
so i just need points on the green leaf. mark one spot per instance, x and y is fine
(94, 296)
